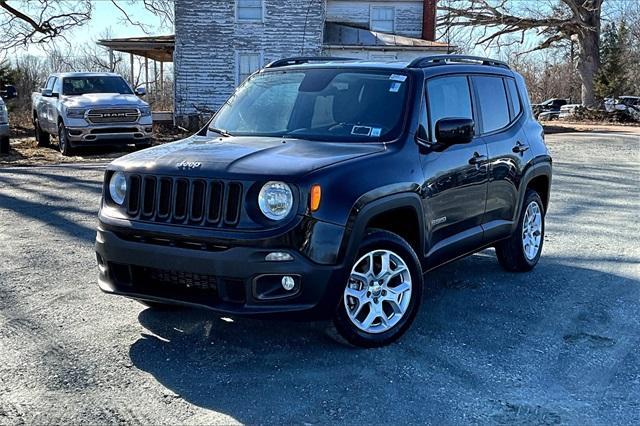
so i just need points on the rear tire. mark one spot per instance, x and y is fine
(63, 141)
(42, 138)
(521, 252)
(4, 145)
(382, 294)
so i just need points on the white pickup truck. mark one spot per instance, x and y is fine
(83, 109)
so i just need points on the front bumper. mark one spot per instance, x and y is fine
(4, 130)
(228, 280)
(112, 134)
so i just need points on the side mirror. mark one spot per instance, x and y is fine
(451, 131)
(48, 93)
(141, 91)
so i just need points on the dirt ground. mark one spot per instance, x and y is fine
(558, 345)
(25, 151)
(568, 126)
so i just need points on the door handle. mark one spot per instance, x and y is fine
(477, 158)
(520, 147)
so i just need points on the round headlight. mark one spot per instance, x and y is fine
(118, 187)
(275, 200)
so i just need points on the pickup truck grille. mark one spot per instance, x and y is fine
(100, 116)
(187, 201)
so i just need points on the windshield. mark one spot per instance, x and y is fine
(104, 84)
(317, 104)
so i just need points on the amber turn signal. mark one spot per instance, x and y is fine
(316, 194)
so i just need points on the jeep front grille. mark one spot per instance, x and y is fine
(101, 116)
(188, 201)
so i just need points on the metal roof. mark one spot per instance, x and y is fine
(158, 48)
(344, 36)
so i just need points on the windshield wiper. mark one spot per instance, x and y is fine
(221, 132)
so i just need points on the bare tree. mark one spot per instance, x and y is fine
(24, 22)
(551, 21)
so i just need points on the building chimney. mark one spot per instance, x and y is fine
(429, 20)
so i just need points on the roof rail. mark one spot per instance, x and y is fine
(305, 60)
(429, 61)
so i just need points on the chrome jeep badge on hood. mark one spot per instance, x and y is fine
(188, 165)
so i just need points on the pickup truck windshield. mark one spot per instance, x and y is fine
(74, 86)
(317, 104)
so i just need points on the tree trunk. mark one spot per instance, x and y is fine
(588, 64)
(589, 55)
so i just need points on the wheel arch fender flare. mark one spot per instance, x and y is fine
(362, 213)
(541, 168)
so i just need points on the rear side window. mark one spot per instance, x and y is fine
(515, 97)
(492, 98)
(448, 97)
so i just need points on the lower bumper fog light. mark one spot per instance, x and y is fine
(288, 283)
(278, 256)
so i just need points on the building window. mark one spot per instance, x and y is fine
(248, 63)
(249, 10)
(383, 19)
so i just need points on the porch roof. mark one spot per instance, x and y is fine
(157, 48)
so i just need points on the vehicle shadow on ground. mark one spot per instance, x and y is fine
(486, 346)
(35, 194)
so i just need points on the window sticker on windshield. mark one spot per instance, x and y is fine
(376, 132)
(400, 78)
(395, 87)
(361, 131)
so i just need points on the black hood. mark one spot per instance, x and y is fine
(242, 156)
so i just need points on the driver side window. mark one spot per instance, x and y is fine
(50, 83)
(57, 86)
(448, 97)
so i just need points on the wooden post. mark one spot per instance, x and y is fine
(162, 76)
(133, 83)
(155, 80)
(146, 74)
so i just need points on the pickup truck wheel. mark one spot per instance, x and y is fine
(143, 145)
(42, 138)
(383, 292)
(63, 141)
(521, 252)
(4, 145)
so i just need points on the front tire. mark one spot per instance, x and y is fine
(4, 145)
(42, 138)
(383, 292)
(521, 252)
(63, 141)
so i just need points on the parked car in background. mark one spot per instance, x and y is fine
(326, 188)
(568, 110)
(550, 105)
(84, 109)
(9, 92)
(623, 108)
(630, 101)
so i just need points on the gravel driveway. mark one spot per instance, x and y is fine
(558, 345)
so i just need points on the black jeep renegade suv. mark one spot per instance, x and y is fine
(326, 188)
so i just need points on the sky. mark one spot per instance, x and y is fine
(106, 17)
